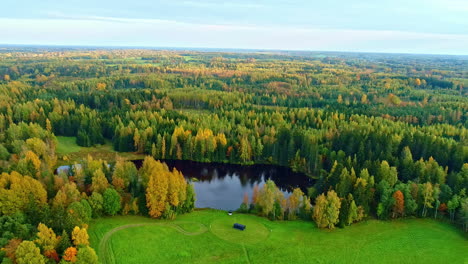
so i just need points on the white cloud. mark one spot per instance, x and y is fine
(92, 30)
(59, 15)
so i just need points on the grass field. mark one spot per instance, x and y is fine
(207, 236)
(69, 152)
(67, 145)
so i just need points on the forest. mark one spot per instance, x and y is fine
(383, 136)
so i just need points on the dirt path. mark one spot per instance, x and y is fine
(106, 253)
(246, 254)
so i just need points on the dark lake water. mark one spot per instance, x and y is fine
(222, 186)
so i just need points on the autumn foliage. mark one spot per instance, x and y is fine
(166, 190)
(52, 255)
(70, 254)
(399, 206)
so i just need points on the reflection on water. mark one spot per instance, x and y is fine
(222, 186)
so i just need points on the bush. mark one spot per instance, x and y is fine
(243, 208)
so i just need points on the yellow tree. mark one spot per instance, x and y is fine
(17, 192)
(149, 165)
(221, 139)
(72, 192)
(66, 195)
(42, 151)
(173, 188)
(121, 175)
(266, 197)
(319, 211)
(101, 86)
(364, 99)
(177, 188)
(80, 236)
(156, 193)
(30, 164)
(327, 210)
(283, 203)
(60, 200)
(99, 182)
(340, 99)
(245, 150)
(46, 237)
(294, 202)
(48, 125)
(138, 141)
(333, 208)
(417, 82)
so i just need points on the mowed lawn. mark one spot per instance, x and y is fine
(69, 152)
(207, 236)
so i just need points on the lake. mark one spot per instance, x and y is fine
(222, 186)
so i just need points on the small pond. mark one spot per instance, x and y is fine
(222, 186)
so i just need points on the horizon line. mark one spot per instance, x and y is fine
(188, 48)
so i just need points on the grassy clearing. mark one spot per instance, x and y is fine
(400, 241)
(255, 231)
(67, 145)
(69, 152)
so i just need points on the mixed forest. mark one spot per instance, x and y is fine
(383, 136)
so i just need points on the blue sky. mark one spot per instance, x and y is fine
(409, 26)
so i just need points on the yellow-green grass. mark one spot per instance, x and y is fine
(255, 230)
(69, 152)
(372, 241)
(67, 145)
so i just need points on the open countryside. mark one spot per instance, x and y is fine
(234, 132)
(208, 237)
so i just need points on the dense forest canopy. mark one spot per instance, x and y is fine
(384, 135)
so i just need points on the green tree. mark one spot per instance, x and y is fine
(464, 213)
(96, 201)
(63, 243)
(353, 215)
(86, 255)
(189, 203)
(427, 193)
(80, 212)
(111, 201)
(385, 199)
(14, 226)
(452, 206)
(387, 173)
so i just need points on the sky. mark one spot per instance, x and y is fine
(396, 26)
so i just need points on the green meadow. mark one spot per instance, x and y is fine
(69, 152)
(207, 236)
